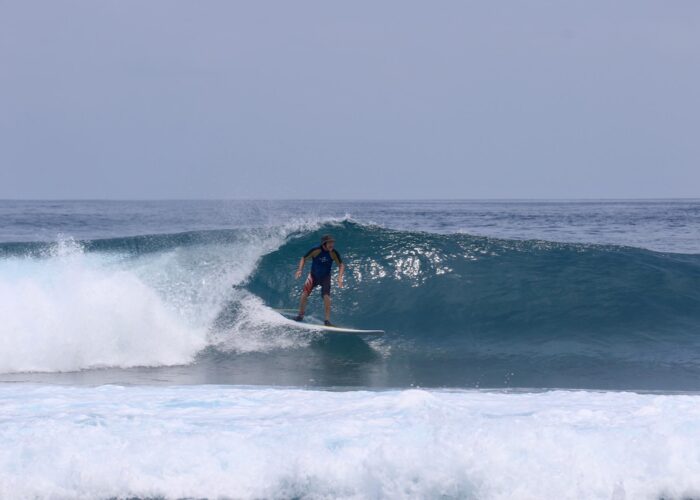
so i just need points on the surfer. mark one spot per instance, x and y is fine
(322, 258)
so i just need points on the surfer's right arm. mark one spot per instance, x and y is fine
(297, 275)
(307, 256)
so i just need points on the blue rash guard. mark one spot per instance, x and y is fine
(322, 261)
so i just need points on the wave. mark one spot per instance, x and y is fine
(458, 309)
(479, 294)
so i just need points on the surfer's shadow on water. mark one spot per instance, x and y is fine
(345, 360)
(345, 347)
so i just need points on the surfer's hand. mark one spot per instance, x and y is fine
(297, 275)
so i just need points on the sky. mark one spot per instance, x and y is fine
(172, 99)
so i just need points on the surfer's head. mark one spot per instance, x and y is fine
(327, 241)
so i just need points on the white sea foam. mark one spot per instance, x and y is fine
(216, 441)
(257, 328)
(71, 310)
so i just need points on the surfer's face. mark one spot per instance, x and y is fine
(329, 245)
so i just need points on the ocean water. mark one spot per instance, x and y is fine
(543, 349)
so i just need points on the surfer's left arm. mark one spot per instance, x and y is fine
(341, 272)
(341, 266)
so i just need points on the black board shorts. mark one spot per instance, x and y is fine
(313, 281)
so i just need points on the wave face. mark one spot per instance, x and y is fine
(534, 311)
(459, 310)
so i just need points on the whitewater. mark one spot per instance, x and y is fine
(533, 350)
(234, 442)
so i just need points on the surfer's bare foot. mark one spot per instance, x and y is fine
(328, 323)
(299, 317)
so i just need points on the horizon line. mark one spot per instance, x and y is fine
(584, 199)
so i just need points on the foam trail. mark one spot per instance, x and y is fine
(224, 441)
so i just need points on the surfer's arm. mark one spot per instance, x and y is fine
(300, 268)
(341, 266)
(307, 256)
(341, 272)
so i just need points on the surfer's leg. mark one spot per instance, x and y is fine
(326, 292)
(308, 286)
(327, 306)
(302, 303)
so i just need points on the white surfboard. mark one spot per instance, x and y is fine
(291, 313)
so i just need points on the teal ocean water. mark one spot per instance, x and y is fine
(595, 295)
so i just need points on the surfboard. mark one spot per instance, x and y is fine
(289, 314)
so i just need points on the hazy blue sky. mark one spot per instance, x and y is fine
(298, 99)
